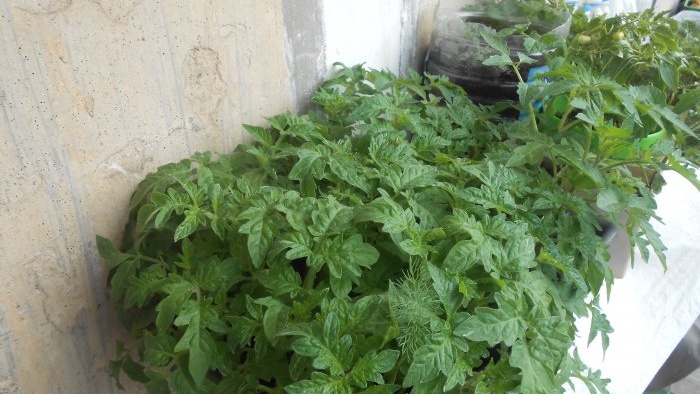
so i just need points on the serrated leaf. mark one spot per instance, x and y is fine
(260, 134)
(274, 320)
(158, 349)
(280, 279)
(330, 350)
(351, 172)
(171, 305)
(299, 244)
(196, 340)
(463, 255)
(371, 366)
(430, 360)
(537, 377)
(166, 176)
(493, 326)
(261, 231)
(498, 61)
(611, 200)
(446, 288)
(525, 59)
(350, 255)
(310, 164)
(411, 176)
(193, 218)
(457, 375)
(320, 384)
(496, 42)
(599, 325)
(110, 253)
(331, 217)
(532, 152)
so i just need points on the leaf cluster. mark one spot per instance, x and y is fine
(398, 238)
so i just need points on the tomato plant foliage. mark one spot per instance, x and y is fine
(381, 243)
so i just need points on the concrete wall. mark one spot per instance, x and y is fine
(94, 94)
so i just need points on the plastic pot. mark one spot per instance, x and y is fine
(457, 50)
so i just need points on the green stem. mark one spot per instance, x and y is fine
(530, 108)
(564, 117)
(589, 139)
(310, 277)
(623, 163)
(570, 125)
(149, 259)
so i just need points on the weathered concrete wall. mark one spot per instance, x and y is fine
(94, 94)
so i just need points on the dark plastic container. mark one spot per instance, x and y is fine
(457, 50)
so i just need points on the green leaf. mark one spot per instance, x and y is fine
(261, 231)
(687, 100)
(274, 319)
(350, 255)
(310, 164)
(496, 42)
(330, 218)
(381, 389)
(260, 134)
(157, 182)
(110, 253)
(446, 288)
(458, 375)
(299, 244)
(329, 350)
(158, 350)
(525, 59)
(537, 377)
(388, 212)
(196, 340)
(599, 324)
(158, 384)
(193, 218)
(320, 384)
(371, 367)
(611, 200)
(669, 74)
(351, 172)
(411, 176)
(463, 255)
(171, 305)
(530, 153)
(498, 61)
(504, 324)
(430, 360)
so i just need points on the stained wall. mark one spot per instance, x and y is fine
(94, 94)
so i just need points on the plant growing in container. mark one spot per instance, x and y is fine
(397, 238)
(381, 244)
(458, 50)
(598, 131)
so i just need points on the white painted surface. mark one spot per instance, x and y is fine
(649, 309)
(363, 31)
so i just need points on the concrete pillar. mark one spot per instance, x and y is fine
(94, 94)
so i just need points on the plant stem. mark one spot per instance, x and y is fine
(589, 139)
(149, 259)
(530, 108)
(568, 110)
(310, 277)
